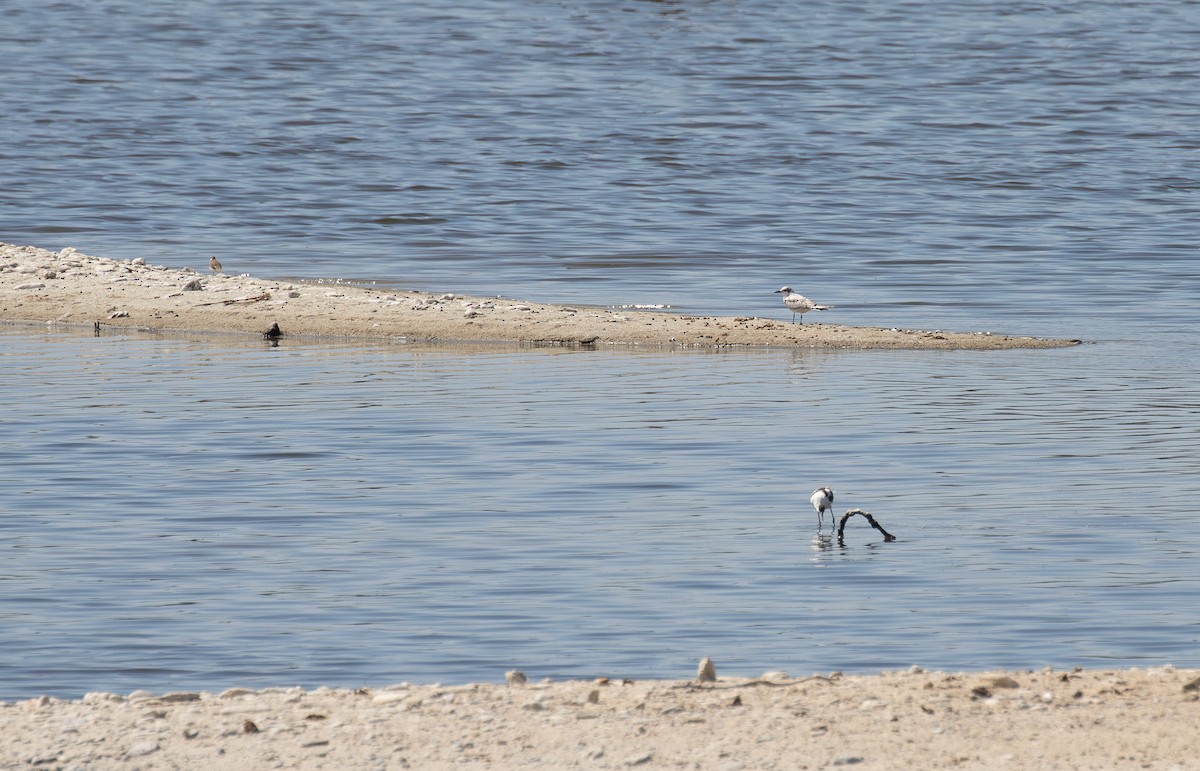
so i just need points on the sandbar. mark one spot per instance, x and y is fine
(68, 287)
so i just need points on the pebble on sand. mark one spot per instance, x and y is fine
(142, 749)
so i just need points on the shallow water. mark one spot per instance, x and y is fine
(914, 164)
(200, 512)
(191, 513)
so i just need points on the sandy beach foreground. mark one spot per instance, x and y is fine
(69, 287)
(1137, 718)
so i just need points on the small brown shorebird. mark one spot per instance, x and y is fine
(798, 303)
(215, 264)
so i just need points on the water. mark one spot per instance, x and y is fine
(904, 160)
(193, 514)
(196, 513)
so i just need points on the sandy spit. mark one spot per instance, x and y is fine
(69, 287)
(1136, 718)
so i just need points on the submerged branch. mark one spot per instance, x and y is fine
(842, 525)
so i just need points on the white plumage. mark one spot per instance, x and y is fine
(822, 501)
(798, 303)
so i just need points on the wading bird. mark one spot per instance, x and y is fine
(822, 501)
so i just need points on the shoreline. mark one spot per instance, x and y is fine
(1102, 719)
(72, 288)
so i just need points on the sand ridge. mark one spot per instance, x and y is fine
(1115, 719)
(69, 287)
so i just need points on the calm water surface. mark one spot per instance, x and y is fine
(195, 514)
(906, 160)
(203, 512)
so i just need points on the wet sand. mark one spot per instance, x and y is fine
(1136, 718)
(72, 288)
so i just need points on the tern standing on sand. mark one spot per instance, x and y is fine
(822, 501)
(215, 265)
(798, 303)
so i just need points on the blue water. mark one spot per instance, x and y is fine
(201, 512)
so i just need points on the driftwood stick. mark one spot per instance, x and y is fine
(249, 299)
(751, 684)
(842, 525)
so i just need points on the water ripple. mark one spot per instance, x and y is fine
(388, 513)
